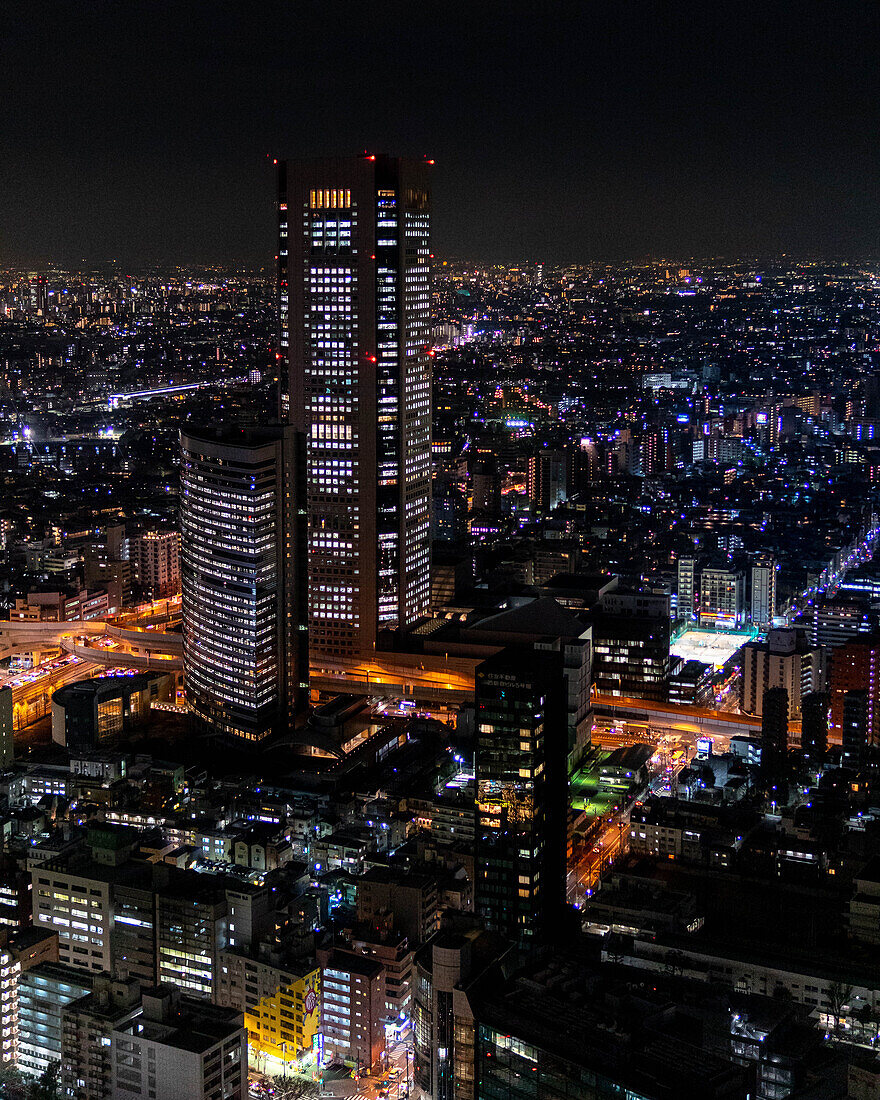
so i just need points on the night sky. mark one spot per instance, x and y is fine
(138, 131)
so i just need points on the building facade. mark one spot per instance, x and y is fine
(156, 557)
(280, 1001)
(520, 762)
(244, 633)
(763, 593)
(785, 660)
(722, 598)
(355, 379)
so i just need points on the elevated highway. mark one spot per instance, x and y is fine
(619, 721)
(132, 645)
(155, 658)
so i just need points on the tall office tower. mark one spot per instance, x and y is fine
(244, 639)
(774, 741)
(814, 726)
(687, 568)
(763, 593)
(855, 731)
(445, 1060)
(355, 377)
(522, 787)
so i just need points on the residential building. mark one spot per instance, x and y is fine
(762, 596)
(687, 588)
(44, 991)
(156, 558)
(353, 1008)
(786, 660)
(723, 598)
(547, 479)
(855, 666)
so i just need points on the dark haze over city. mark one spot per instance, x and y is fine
(562, 132)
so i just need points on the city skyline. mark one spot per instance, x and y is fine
(427, 677)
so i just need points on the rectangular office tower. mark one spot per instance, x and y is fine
(355, 378)
(245, 645)
(522, 793)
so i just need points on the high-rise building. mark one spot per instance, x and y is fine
(763, 593)
(814, 726)
(855, 731)
(355, 377)
(353, 1007)
(547, 479)
(445, 1060)
(774, 741)
(43, 993)
(520, 762)
(156, 556)
(244, 629)
(631, 637)
(855, 666)
(687, 568)
(787, 660)
(722, 598)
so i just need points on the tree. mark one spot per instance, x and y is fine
(13, 1085)
(294, 1088)
(48, 1084)
(839, 997)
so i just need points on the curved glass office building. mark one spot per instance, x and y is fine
(245, 651)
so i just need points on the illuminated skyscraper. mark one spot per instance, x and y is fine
(244, 637)
(355, 378)
(520, 762)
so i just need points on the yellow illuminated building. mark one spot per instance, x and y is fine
(281, 1006)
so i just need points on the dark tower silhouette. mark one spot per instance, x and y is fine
(522, 785)
(774, 743)
(854, 731)
(814, 726)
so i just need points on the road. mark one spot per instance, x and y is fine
(603, 847)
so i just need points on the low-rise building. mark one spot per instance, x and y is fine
(353, 1007)
(178, 1048)
(280, 999)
